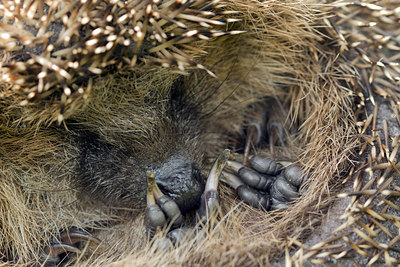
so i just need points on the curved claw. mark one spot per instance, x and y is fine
(210, 198)
(50, 255)
(275, 124)
(74, 236)
(57, 249)
(276, 134)
(253, 135)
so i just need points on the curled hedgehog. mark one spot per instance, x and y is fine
(111, 106)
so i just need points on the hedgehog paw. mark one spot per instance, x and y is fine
(266, 183)
(65, 244)
(161, 210)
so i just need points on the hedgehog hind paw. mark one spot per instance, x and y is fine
(265, 126)
(65, 244)
(266, 183)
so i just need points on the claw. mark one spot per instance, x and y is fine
(253, 135)
(57, 249)
(275, 124)
(276, 134)
(50, 255)
(74, 236)
(210, 198)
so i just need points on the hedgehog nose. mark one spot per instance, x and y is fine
(182, 181)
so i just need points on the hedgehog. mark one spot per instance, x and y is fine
(107, 106)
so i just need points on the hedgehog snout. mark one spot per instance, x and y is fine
(180, 179)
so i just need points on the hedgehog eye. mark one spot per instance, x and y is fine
(177, 93)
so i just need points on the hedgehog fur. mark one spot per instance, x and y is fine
(115, 71)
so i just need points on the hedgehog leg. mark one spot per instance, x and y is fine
(265, 183)
(64, 244)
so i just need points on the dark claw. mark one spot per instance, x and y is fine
(254, 179)
(276, 134)
(253, 198)
(265, 165)
(50, 254)
(252, 138)
(74, 236)
(57, 249)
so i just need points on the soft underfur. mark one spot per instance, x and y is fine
(287, 52)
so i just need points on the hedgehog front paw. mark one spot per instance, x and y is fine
(65, 244)
(266, 183)
(162, 211)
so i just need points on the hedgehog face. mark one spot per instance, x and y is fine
(117, 148)
(99, 68)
